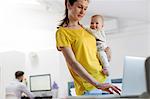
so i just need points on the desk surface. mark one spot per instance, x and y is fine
(101, 97)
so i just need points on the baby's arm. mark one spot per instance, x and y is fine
(104, 68)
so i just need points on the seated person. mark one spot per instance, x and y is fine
(17, 88)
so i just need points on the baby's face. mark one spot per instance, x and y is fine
(96, 23)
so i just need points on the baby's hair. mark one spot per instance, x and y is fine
(97, 15)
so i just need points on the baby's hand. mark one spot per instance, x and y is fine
(105, 71)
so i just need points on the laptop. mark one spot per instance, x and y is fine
(134, 79)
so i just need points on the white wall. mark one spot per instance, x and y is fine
(10, 62)
(133, 42)
(43, 62)
(30, 28)
(49, 62)
(149, 26)
(27, 27)
(2, 87)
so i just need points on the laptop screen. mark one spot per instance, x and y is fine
(134, 79)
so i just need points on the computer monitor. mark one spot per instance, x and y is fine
(40, 83)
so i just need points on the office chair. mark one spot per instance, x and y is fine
(147, 68)
(11, 96)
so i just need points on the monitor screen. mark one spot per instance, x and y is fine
(40, 82)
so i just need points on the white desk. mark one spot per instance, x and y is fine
(103, 97)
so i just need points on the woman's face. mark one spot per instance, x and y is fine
(78, 9)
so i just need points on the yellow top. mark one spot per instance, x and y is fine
(83, 45)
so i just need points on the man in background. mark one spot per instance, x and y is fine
(17, 88)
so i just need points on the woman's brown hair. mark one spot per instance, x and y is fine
(66, 19)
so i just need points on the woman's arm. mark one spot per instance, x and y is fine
(76, 66)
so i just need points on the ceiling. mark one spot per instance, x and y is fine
(122, 9)
(127, 9)
(126, 13)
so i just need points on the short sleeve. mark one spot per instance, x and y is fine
(62, 39)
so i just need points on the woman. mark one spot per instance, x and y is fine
(79, 50)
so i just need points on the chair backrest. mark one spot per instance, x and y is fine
(11, 96)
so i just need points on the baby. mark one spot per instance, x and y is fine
(96, 29)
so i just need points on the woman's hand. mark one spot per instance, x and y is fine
(108, 52)
(108, 88)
